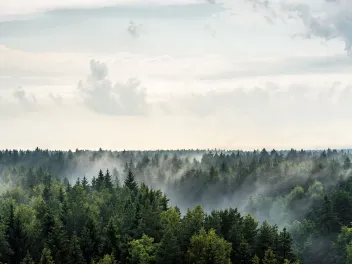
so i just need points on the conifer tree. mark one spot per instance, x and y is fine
(85, 183)
(100, 180)
(107, 180)
(75, 252)
(46, 257)
(28, 259)
(130, 183)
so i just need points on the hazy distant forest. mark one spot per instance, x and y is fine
(185, 206)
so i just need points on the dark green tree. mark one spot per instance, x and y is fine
(130, 183)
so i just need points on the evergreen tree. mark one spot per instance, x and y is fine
(255, 260)
(107, 259)
(209, 248)
(116, 177)
(31, 179)
(94, 183)
(61, 195)
(130, 182)
(108, 180)
(285, 246)
(112, 239)
(28, 259)
(169, 251)
(269, 257)
(78, 182)
(17, 238)
(85, 183)
(100, 183)
(58, 243)
(46, 257)
(347, 163)
(75, 252)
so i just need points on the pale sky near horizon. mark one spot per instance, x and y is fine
(172, 74)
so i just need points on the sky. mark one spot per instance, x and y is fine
(175, 74)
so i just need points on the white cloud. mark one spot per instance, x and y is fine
(101, 96)
(29, 102)
(135, 30)
(25, 7)
(335, 21)
(57, 99)
(325, 19)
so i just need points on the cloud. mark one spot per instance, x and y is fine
(326, 19)
(15, 7)
(209, 29)
(29, 102)
(101, 96)
(57, 99)
(270, 106)
(334, 24)
(134, 29)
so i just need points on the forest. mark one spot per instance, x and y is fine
(176, 206)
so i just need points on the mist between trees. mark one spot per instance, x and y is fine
(182, 206)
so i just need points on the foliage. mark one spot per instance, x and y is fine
(82, 207)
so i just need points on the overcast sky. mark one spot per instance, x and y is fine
(151, 74)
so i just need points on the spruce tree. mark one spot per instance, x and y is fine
(46, 257)
(130, 183)
(28, 259)
(85, 183)
(100, 180)
(75, 252)
(107, 180)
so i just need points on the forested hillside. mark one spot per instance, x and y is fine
(186, 206)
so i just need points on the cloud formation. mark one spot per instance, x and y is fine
(15, 7)
(326, 19)
(269, 106)
(100, 96)
(29, 102)
(57, 99)
(336, 21)
(135, 30)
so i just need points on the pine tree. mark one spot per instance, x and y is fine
(169, 251)
(68, 187)
(100, 180)
(90, 239)
(78, 182)
(94, 183)
(112, 239)
(347, 163)
(61, 195)
(46, 193)
(85, 183)
(46, 257)
(285, 245)
(59, 244)
(31, 178)
(75, 252)
(349, 253)
(116, 176)
(107, 259)
(130, 182)
(16, 238)
(28, 259)
(269, 257)
(107, 180)
(255, 260)
(265, 239)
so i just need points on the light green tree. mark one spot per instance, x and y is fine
(142, 251)
(209, 248)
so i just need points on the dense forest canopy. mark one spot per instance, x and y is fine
(182, 206)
